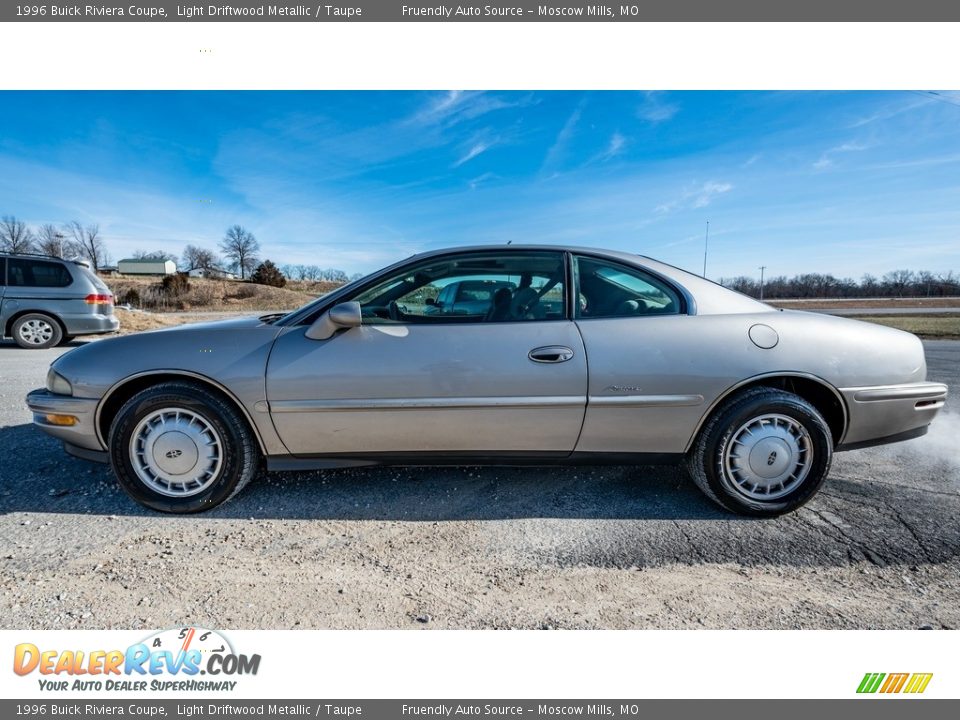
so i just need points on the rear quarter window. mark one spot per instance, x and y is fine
(94, 280)
(37, 273)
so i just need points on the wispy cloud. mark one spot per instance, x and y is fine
(559, 147)
(891, 111)
(614, 147)
(695, 196)
(709, 191)
(476, 149)
(654, 109)
(458, 106)
(828, 157)
(483, 179)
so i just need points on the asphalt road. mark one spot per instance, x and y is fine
(623, 547)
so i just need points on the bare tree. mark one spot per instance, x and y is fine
(197, 258)
(241, 247)
(15, 236)
(899, 280)
(90, 245)
(51, 241)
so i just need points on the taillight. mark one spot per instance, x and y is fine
(99, 299)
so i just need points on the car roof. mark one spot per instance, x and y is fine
(39, 256)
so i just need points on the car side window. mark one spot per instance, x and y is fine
(607, 290)
(470, 288)
(22, 272)
(3, 271)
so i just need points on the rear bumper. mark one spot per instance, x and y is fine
(90, 324)
(82, 434)
(890, 413)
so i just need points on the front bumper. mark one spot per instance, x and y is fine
(82, 434)
(889, 413)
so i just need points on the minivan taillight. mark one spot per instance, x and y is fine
(99, 299)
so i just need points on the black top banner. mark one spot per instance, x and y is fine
(498, 11)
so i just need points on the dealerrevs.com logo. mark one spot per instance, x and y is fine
(910, 683)
(168, 660)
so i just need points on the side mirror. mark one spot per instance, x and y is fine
(431, 301)
(339, 317)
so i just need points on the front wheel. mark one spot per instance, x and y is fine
(764, 452)
(179, 448)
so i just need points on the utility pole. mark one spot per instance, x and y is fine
(762, 268)
(706, 243)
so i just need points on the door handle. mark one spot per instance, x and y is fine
(551, 354)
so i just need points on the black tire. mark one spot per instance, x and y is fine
(239, 456)
(36, 331)
(707, 461)
(66, 339)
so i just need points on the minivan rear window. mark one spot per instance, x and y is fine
(94, 280)
(22, 272)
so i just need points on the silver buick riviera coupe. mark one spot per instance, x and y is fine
(517, 355)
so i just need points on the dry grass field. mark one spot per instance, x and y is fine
(879, 303)
(203, 294)
(934, 327)
(134, 321)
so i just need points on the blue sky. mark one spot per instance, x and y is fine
(845, 183)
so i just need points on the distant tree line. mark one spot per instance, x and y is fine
(315, 272)
(896, 283)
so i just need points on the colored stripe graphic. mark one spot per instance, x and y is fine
(918, 682)
(894, 683)
(870, 682)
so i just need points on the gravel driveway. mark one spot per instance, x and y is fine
(479, 548)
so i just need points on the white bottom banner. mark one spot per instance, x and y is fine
(198, 662)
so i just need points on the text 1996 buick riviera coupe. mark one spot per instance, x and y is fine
(495, 355)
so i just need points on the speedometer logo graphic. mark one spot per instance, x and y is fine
(183, 639)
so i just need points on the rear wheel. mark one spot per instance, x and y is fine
(179, 448)
(764, 452)
(36, 331)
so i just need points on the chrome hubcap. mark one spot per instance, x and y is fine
(768, 457)
(36, 332)
(176, 452)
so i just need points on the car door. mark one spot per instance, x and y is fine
(413, 381)
(649, 366)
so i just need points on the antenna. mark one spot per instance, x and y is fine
(706, 243)
(762, 268)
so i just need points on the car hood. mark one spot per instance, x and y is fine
(215, 325)
(227, 352)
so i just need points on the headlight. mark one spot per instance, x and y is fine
(58, 383)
